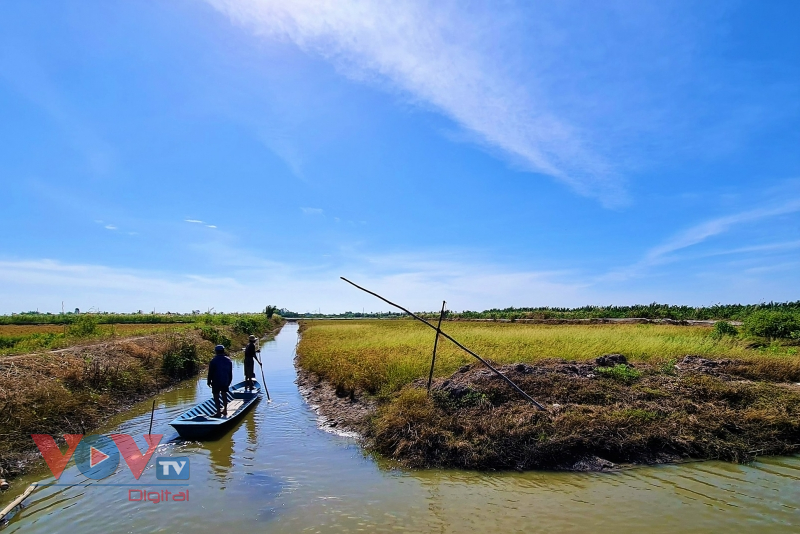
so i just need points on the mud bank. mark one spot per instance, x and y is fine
(601, 415)
(337, 412)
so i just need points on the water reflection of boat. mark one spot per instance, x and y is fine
(220, 454)
(199, 422)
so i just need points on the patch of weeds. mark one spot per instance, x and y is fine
(9, 342)
(621, 373)
(724, 328)
(214, 335)
(181, 359)
(776, 349)
(445, 400)
(668, 367)
(84, 326)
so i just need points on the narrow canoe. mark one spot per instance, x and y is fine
(199, 422)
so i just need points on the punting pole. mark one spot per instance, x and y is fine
(16, 502)
(262, 370)
(459, 345)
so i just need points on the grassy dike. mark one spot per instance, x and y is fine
(76, 389)
(684, 392)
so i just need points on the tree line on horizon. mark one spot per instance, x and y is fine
(726, 312)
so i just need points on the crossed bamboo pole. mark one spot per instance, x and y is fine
(445, 335)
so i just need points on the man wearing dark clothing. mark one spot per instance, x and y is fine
(249, 365)
(220, 376)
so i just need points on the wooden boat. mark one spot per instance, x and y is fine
(199, 422)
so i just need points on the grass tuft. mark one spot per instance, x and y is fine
(621, 373)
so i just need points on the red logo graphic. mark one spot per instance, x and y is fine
(96, 456)
(97, 453)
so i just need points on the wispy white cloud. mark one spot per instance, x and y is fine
(312, 211)
(110, 227)
(769, 247)
(695, 235)
(444, 57)
(194, 221)
(701, 232)
(211, 226)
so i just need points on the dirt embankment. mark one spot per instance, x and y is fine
(75, 390)
(600, 415)
(72, 391)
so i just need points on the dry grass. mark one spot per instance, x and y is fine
(474, 421)
(74, 390)
(383, 356)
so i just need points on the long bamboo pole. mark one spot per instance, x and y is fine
(16, 502)
(435, 343)
(258, 351)
(459, 345)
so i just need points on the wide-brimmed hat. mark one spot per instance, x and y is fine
(219, 349)
(252, 337)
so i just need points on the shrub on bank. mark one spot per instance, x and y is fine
(772, 325)
(180, 359)
(724, 328)
(214, 335)
(84, 326)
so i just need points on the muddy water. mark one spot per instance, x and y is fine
(278, 472)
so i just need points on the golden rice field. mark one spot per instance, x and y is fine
(382, 356)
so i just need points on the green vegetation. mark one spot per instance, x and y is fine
(772, 324)
(727, 312)
(621, 373)
(215, 335)
(730, 312)
(724, 328)
(27, 337)
(84, 326)
(181, 359)
(219, 319)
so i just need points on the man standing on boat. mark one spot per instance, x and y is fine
(220, 376)
(250, 358)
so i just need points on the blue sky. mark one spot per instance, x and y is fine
(237, 153)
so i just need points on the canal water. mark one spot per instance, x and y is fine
(278, 472)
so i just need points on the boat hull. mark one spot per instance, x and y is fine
(200, 422)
